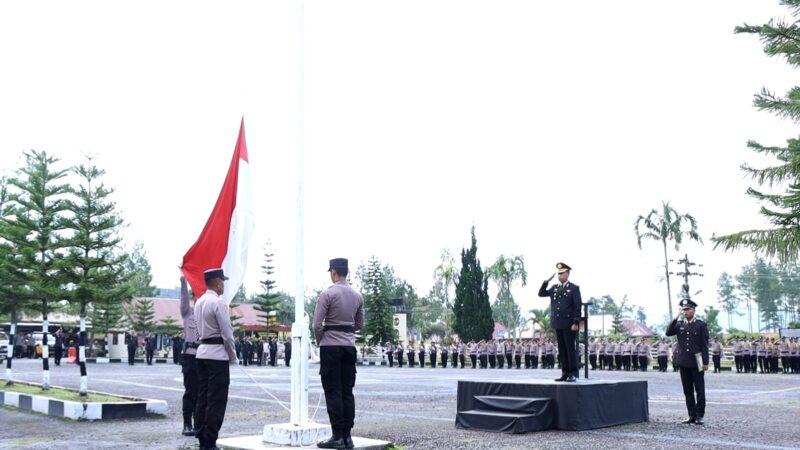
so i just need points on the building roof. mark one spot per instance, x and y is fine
(634, 328)
(248, 316)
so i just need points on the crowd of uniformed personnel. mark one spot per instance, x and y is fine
(751, 356)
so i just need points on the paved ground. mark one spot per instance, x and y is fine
(415, 409)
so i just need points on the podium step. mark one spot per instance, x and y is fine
(513, 404)
(505, 421)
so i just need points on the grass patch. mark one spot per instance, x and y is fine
(62, 394)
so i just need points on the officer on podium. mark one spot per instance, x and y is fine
(565, 315)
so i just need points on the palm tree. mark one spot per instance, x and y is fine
(504, 272)
(542, 317)
(666, 225)
(446, 274)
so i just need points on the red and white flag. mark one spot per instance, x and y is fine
(225, 239)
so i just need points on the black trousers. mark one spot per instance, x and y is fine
(535, 361)
(213, 379)
(400, 359)
(273, 358)
(593, 361)
(716, 359)
(287, 357)
(643, 363)
(433, 360)
(693, 381)
(59, 353)
(422, 359)
(483, 359)
(473, 358)
(189, 369)
(737, 360)
(492, 361)
(508, 360)
(411, 360)
(461, 359)
(761, 363)
(566, 350)
(444, 360)
(455, 359)
(391, 359)
(500, 361)
(662, 363)
(527, 360)
(131, 355)
(518, 360)
(338, 373)
(149, 357)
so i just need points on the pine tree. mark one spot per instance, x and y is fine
(375, 288)
(269, 300)
(727, 298)
(780, 38)
(168, 326)
(39, 217)
(92, 265)
(15, 295)
(473, 314)
(143, 316)
(138, 274)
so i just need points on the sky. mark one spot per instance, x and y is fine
(549, 126)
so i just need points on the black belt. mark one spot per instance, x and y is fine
(190, 345)
(345, 328)
(213, 340)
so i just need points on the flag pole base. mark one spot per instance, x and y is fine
(256, 442)
(293, 435)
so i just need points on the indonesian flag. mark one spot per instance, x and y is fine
(225, 239)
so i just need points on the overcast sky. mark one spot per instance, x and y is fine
(550, 126)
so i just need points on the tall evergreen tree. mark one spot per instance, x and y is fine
(138, 273)
(711, 318)
(473, 314)
(375, 288)
(15, 294)
(745, 282)
(143, 319)
(727, 297)
(766, 290)
(40, 218)
(93, 266)
(269, 300)
(168, 326)
(780, 38)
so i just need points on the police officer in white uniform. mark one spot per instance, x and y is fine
(214, 355)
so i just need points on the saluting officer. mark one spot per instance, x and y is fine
(338, 315)
(214, 356)
(565, 315)
(188, 362)
(692, 358)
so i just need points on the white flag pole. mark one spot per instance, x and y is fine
(299, 431)
(300, 335)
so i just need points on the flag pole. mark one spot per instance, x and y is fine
(299, 431)
(300, 333)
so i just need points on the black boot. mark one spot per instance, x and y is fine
(334, 442)
(689, 420)
(188, 430)
(698, 420)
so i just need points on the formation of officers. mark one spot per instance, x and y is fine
(497, 353)
(761, 355)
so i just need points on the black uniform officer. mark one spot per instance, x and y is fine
(132, 342)
(692, 343)
(565, 315)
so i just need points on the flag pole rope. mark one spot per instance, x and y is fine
(268, 392)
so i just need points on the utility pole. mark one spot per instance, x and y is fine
(687, 272)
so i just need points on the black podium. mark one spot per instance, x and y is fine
(522, 407)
